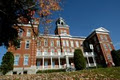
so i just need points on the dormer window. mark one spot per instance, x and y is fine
(28, 33)
(61, 23)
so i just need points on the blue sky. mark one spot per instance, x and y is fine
(85, 15)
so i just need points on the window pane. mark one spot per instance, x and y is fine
(27, 44)
(72, 44)
(16, 60)
(77, 44)
(45, 42)
(20, 32)
(28, 33)
(67, 43)
(26, 60)
(58, 43)
(52, 43)
(105, 47)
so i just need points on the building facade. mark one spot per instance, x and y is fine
(57, 51)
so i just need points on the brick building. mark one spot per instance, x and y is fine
(57, 51)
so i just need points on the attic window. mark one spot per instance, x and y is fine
(61, 23)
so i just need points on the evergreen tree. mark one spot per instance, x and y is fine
(79, 60)
(7, 63)
(116, 57)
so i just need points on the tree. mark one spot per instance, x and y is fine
(14, 12)
(7, 63)
(79, 60)
(116, 57)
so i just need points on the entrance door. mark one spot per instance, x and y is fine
(38, 64)
(46, 64)
(53, 64)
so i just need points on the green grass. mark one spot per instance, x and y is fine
(89, 74)
(99, 73)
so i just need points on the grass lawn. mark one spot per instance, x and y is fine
(90, 74)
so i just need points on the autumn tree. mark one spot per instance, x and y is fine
(14, 12)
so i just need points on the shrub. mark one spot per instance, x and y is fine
(7, 63)
(79, 60)
(116, 57)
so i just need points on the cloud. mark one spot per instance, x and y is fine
(117, 44)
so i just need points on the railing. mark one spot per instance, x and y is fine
(91, 65)
(88, 54)
(53, 54)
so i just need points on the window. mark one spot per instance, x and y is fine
(68, 50)
(27, 44)
(38, 43)
(109, 46)
(38, 52)
(98, 49)
(20, 32)
(59, 51)
(28, 33)
(45, 52)
(64, 50)
(77, 44)
(62, 32)
(58, 43)
(81, 43)
(19, 45)
(95, 39)
(67, 43)
(45, 42)
(101, 37)
(72, 44)
(52, 50)
(65, 32)
(52, 43)
(109, 56)
(53, 64)
(105, 38)
(72, 50)
(16, 60)
(105, 47)
(26, 60)
(63, 42)
(38, 63)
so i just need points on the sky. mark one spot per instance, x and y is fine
(85, 15)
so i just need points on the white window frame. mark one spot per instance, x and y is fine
(28, 32)
(64, 43)
(52, 43)
(77, 43)
(105, 38)
(109, 46)
(72, 43)
(67, 43)
(20, 32)
(26, 60)
(58, 43)
(45, 51)
(16, 61)
(45, 42)
(105, 47)
(101, 37)
(52, 51)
